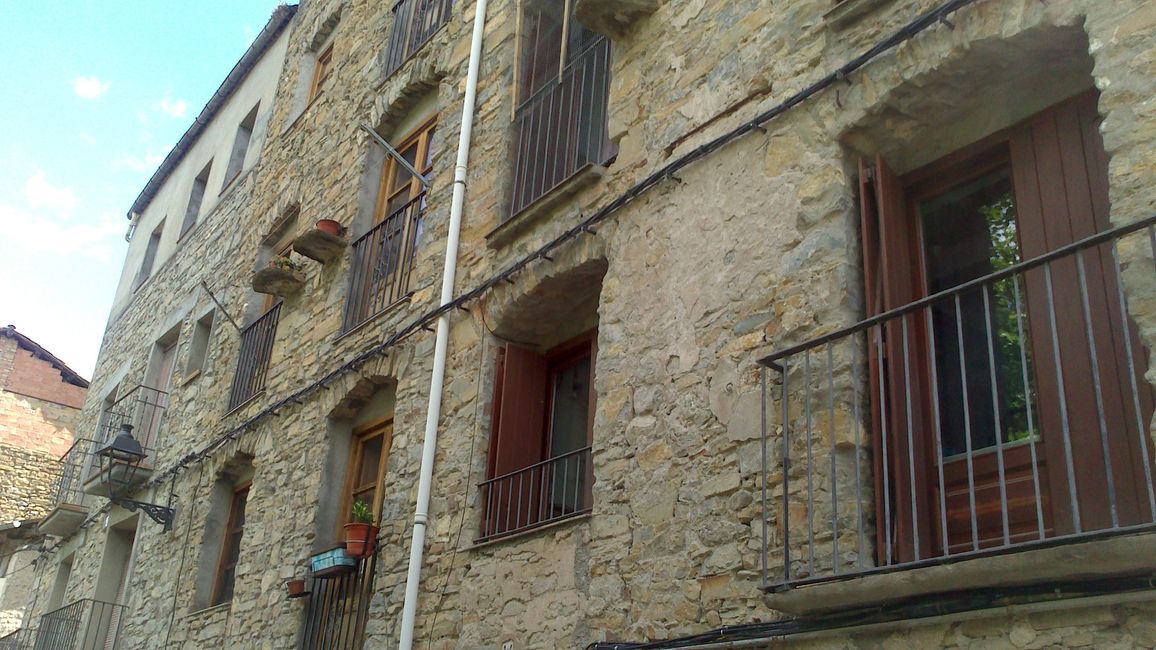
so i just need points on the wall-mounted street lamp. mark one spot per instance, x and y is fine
(119, 462)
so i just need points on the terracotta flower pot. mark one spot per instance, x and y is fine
(296, 588)
(331, 227)
(360, 540)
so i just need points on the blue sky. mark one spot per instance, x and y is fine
(95, 94)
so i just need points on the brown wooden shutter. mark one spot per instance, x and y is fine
(892, 277)
(518, 439)
(1061, 186)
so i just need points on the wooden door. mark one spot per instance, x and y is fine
(988, 362)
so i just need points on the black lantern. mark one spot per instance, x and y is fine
(120, 461)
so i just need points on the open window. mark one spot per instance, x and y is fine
(563, 85)
(383, 258)
(1013, 411)
(539, 467)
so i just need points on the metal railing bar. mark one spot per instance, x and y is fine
(1141, 430)
(996, 415)
(937, 432)
(1035, 262)
(859, 514)
(1063, 402)
(810, 465)
(910, 437)
(834, 457)
(763, 469)
(786, 470)
(966, 403)
(1086, 311)
(1028, 401)
(883, 443)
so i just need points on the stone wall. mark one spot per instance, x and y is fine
(17, 586)
(750, 249)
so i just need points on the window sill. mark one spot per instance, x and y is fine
(188, 378)
(545, 205)
(245, 403)
(530, 532)
(210, 610)
(1114, 556)
(396, 304)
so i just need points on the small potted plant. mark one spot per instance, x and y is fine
(296, 587)
(360, 533)
(331, 227)
(281, 277)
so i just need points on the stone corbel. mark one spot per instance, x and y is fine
(613, 17)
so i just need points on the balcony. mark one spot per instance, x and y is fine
(253, 358)
(68, 509)
(1006, 418)
(83, 625)
(21, 639)
(543, 493)
(142, 407)
(382, 265)
(338, 609)
(414, 24)
(562, 127)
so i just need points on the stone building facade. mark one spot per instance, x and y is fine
(40, 403)
(664, 413)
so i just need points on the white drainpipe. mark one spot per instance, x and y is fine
(433, 412)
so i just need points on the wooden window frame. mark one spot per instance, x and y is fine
(422, 136)
(382, 428)
(322, 68)
(224, 567)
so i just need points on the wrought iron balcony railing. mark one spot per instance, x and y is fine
(21, 639)
(338, 609)
(86, 624)
(253, 358)
(562, 126)
(1006, 413)
(144, 408)
(382, 264)
(68, 508)
(543, 493)
(414, 23)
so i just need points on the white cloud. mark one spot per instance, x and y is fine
(39, 193)
(89, 139)
(94, 238)
(90, 87)
(174, 107)
(140, 164)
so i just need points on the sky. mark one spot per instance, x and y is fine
(94, 95)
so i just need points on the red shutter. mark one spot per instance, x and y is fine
(891, 259)
(517, 441)
(1061, 185)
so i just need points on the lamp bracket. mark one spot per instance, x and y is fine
(160, 514)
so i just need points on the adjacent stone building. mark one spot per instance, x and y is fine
(40, 402)
(821, 324)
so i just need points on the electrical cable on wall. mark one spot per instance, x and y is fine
(937, 16)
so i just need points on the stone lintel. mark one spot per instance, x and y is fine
(613, 17)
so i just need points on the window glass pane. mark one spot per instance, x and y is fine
(370, 459)
(970, 232)
(401, 175)
(571, 408)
